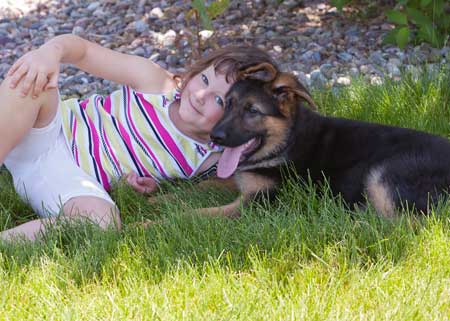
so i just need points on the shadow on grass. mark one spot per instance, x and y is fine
(300, 228)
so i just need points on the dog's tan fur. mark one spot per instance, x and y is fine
(277, 134)
(380, 195)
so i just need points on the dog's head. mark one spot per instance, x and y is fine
(259, 112)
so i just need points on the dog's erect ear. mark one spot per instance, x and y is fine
(286, 87)
(264, 71)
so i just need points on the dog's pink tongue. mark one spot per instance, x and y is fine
(229, 160)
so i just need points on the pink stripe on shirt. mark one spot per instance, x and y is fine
(165, 135)
(84, 103)
(107, 104)
(136, 132)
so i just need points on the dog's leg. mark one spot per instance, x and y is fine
(230, 210)
(250, 185)
(226, 183)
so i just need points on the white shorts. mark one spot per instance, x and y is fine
(45, 174)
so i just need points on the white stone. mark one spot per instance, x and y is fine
(376, 80)
(156, 13)
(344, 81)
(205, 34)
(169, 38)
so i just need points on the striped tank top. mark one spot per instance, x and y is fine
(110, 136)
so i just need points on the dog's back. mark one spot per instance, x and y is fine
(389, 164)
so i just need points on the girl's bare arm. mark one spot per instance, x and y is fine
(38, 66)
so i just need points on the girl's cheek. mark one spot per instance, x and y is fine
(217, 116)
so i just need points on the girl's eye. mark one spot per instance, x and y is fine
(219, 101)
(205, 79)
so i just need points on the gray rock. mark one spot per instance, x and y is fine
(4, 68)
(326, 69)
(171, 60)
(93, 6)
(395, 61)
(303, 78)
(139, 51)
(141, 26)
(4, 40)
(377, 58)
(317, 79)
(354, 72)
(307, 57)
(163, 64)
(51, 21)
(344, 56)
(99, 13)
(393, 70)
(78, 30)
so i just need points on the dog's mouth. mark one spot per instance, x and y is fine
(232, 156)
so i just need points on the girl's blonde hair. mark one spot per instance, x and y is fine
(229, 61)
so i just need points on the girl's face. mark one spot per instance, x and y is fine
(202, 101)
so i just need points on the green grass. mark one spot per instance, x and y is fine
(303, 257)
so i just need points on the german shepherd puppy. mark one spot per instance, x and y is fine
(267, 126)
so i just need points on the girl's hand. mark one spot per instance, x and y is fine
(37, 69)
(141, 184)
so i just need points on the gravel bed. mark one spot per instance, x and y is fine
(310, 38)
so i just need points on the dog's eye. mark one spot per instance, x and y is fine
(228, 103)
(252, 110)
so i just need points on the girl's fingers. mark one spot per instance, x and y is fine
(18, 74)
(53, 82)
(147, 182)
(141, 184)
(138, 188)
(132, 180)
(14, 67)
(28, 82)
(41, 81)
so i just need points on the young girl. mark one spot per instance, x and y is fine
(63, 155)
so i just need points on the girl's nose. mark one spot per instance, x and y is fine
(200, 96)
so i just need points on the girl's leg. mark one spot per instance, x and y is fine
(94, 209)
(19, 114)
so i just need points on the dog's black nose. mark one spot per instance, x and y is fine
(218, 136)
